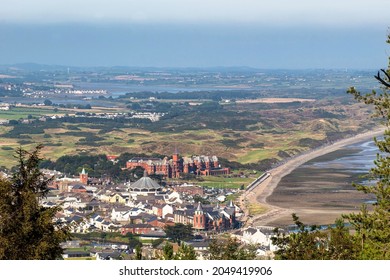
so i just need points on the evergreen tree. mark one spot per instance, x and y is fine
(179, 232)
(230, 249)
(167, 252)
(185, 252)
(138, 252)
(311, 243)
(373, 225)
(305, 244)
(371, 237)
(27, 230)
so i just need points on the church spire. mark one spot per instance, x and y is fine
(199, 208)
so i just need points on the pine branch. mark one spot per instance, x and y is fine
(381, 80)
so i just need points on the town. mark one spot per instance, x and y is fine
(144, 209)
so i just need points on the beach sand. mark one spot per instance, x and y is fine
(278, 216)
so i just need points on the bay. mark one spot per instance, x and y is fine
(326, 182)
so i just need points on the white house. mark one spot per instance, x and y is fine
(257, 235)
(123, 214)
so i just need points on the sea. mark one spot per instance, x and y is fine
(327, 182)
(355, 158)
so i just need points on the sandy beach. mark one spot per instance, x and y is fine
(277, 216)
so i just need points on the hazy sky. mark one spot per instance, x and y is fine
(201, 33)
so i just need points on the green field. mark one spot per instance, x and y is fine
(224, 182)
(17, 113)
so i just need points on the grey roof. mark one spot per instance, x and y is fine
(230, 211)
(160, 234)
(109, 255)
(199, 244)
(251, 230)
(137, 226)
(145, 184)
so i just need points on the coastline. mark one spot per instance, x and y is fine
(259, 194)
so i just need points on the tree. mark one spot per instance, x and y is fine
(230, 249)
(138, 252)
(371, 238)
(311, 243)
(301, 245)
(372, 226)
(342, 245)
(185, 252)
(168, 251)
(179, 232)
(27, 230)
(47, 102)
(132, 241)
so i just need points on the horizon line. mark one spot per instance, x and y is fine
(243, 67)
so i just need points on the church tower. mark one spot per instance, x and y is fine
(231, 210)
(199, 218)
(176, 165)
(84, 177)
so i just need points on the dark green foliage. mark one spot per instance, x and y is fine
(27, 230)
(266, 164)
(185, 252)
(321, 113)
(25, 142)
(167, 252)
(53, 144)
(257, 145)
(33, 128)
(134, 106)
(309, 142)
(157, 242)
(77, 134)
(91, 140)
(133, 241)
(311, 243)
(97, 166)
(179, 232)
(198, 198)
(371, 226)
(213, 95)
(283, 154)
(138, 252)
(230, 249)
(47, 102)
(230, 143)
(13, 122)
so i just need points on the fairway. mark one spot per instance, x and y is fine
(16, 113)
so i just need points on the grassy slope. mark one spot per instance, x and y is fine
(282, 133)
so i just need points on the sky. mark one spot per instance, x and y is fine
(266, 34)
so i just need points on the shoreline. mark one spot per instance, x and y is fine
(259, 194)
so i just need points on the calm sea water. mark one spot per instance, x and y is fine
(356, 158)
(326, 182)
